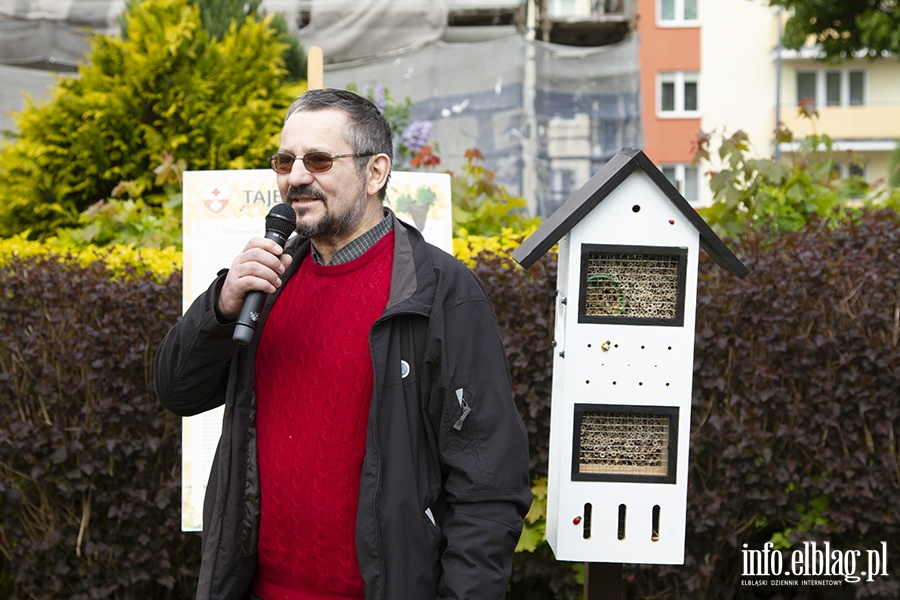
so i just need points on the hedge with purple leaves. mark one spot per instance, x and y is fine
(796, 419)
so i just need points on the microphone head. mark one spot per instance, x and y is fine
(281, 219)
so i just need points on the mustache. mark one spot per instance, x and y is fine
(307, 191)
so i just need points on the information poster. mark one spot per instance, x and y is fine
(224, 209)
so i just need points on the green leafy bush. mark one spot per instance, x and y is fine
(788, 192)
(481, 206)
(120, 261)
(168, 87)
(218, 16)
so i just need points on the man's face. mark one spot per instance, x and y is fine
(331, 204)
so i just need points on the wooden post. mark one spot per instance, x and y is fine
(603, 581)
(315, 69)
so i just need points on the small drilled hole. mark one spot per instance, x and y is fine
(587, 521)
(654, 533)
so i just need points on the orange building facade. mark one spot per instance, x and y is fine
(669, 55)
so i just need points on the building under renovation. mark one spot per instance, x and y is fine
(547, 90)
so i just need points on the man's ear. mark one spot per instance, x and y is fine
(378, 170)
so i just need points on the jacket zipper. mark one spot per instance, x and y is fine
(465, 409)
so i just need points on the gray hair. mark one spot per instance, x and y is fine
(367, 130)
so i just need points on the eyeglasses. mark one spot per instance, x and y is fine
(315, 162)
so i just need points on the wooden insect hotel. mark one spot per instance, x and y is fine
(623, 364)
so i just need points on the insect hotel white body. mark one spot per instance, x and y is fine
(623, 363)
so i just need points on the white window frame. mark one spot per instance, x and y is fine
(679, 79)
(568, 8)
(680, 170)
(678, 20)
(846, 169)
(821, 98)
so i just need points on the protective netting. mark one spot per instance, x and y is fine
(631, 285)
(624, 443)
(545, 116)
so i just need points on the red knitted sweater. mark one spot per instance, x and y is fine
(313, 390)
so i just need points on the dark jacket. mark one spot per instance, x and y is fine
(444, 484)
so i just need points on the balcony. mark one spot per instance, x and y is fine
(587, 23)
(858, 127)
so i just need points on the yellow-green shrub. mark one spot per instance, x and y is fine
(122, 261)
(166, 88)
(467, 247)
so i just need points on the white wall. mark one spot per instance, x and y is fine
(737, 71)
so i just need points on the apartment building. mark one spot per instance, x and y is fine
(858, 106)
(716, 67)
(669, 54)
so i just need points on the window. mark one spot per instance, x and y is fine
(686, 180)
(678, 94)
(562, 8)
(832, 87)
(857, 81)
(562, 182)
(856, 167)
(676, 12)
(806, 87)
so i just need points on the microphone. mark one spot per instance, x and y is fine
(280, 223)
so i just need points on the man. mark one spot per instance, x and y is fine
(370, 445)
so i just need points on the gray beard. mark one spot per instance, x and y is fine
(330, 225)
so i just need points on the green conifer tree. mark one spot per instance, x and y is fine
(167, 89)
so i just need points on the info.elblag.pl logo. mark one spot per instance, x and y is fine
(811, 564)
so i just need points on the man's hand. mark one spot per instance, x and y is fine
(257, 268)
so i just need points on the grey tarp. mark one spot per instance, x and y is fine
(545, 116)
(545, 130)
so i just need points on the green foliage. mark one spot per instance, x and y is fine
(167, 88)
(129, 222)
(787, 193)
(132, 221)
(535, 528)
(843, 29)
(294, 56)
(809, 518)
(894, 168)
(481, 206)
(219, 15)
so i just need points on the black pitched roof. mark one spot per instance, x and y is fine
(597, 188)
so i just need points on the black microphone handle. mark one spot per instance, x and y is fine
(253, 303)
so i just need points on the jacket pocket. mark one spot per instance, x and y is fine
(435, 540)
(463, 436)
